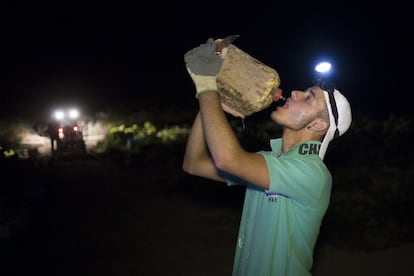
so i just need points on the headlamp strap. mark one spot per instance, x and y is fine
(334, 111)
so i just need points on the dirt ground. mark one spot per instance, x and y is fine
(94, 216)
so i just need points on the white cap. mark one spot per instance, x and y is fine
(338, 107)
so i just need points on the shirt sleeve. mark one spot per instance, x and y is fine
(233, 180)
(303, 179)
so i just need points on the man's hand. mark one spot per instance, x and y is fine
(203, 65)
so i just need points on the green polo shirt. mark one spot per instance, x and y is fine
(279, 226)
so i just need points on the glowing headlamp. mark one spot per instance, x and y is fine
(323, 69)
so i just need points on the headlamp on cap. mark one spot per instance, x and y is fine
(323, 69)
(338, 106)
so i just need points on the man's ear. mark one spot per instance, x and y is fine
(318, 125)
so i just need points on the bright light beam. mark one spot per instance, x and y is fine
(323, 67)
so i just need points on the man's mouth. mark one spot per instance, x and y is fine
(286, 105)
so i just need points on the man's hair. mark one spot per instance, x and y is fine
(324, 115)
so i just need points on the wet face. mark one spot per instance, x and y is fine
(301, 109)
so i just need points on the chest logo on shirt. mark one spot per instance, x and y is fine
(306, 149)
(272, 196)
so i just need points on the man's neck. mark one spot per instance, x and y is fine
(293, 137)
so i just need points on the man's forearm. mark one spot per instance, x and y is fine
(196, 148)
(197, 160)
(221, 140)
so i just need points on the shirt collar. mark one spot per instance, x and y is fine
(305, 148)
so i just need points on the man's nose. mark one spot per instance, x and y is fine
(295, 94)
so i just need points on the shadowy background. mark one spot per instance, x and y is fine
(105, 55)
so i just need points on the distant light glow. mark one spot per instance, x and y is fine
(59, 115)
(73, 113)
(70, 114)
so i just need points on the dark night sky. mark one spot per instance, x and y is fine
(101, 54)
